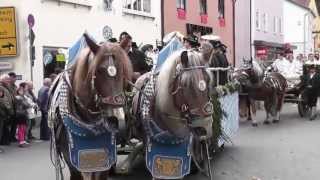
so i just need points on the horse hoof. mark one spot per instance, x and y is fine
(266, 122)
(249, 119)
(275, 121)
(254, 124)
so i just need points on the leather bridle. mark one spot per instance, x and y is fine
(113, 100)
(178, 92)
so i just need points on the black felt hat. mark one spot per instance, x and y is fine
(192, 39)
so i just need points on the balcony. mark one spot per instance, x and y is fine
(181, 13)
(204, 18)
(75, 3)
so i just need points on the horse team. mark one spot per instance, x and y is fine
(172, 111)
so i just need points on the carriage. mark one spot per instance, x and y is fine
(168, 152)
(295, 93)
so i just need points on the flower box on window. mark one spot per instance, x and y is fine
(222, 22)
(204, 18)
(181, 13)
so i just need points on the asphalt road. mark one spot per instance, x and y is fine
(285, 151)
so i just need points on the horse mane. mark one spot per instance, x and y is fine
(257, 68)
(164, 100)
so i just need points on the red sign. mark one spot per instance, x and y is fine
(262, 51)
(222, 22)
(204, 18)
(181, 13)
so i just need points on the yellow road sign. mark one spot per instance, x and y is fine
(8, 47)
(8, 36)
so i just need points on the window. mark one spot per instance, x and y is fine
(280, 25)
(138, 5)
(265, 22)
(203, 7)
(181, 9)
(221, 9)
(181, 4)
(257, 20)
(274, 24)
(108, 4)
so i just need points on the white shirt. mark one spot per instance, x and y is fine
(281, 65)
(316, 62)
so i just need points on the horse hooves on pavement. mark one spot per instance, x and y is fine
(275, 121)
(254, 124)
(266, 122)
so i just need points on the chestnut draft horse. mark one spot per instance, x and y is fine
(259, 85)
(86, 105)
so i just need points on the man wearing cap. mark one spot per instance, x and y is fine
(12, 88)
(311, 84)
(191, 42)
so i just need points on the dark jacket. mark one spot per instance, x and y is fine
(138, 60)
(311, 83)
(7, 101)
(219, 59)
(43, 95)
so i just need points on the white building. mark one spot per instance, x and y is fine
(60, 23)
(298, 25)
(242, 29)
(266, 28)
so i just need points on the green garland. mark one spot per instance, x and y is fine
(218, 113)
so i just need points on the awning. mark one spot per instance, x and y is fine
(272, 44)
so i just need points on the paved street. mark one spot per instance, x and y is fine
(286, 151)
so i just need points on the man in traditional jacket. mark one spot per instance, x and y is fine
(219, 59)
(12, 87)
(311, 84)
(7, 109)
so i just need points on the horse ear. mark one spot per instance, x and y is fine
(184, 59)
(92, 45)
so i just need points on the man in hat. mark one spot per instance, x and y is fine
(311, 84)
(191, 42)
(294, 69)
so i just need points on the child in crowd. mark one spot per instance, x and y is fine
(22, 106)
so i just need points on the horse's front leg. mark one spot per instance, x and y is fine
(267, 106)
(95, 176)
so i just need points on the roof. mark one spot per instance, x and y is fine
(318, 5)
(303, 4)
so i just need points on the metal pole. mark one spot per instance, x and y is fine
(30, 55)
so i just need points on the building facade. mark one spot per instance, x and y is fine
(315, 7)
(58, 24)
(267, 29)
(201, 16)
(242, 31)
(298, 19)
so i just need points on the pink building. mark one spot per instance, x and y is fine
(204, 16)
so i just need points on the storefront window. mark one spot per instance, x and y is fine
(54, 60)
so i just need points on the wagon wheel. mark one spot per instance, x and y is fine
(303, 108)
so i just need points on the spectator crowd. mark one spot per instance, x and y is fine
(19, 109)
